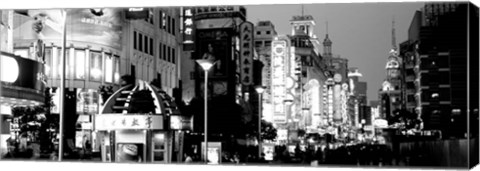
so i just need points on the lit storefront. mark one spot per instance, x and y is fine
(22, 84)
(140, 137)
(92, 59)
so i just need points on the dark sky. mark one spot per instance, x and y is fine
(360, 32)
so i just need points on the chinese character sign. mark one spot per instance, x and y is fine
(119, 121)
(188, 25)
(246, 53)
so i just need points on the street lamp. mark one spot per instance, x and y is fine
(206, 65)
(260, 89)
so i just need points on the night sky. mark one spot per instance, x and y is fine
(360, 32)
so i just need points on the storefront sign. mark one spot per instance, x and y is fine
(210, 12)
(188, 28)
(120, 121)
(181, 122)
(22, 72)
(246, 53)
(279, 53)
(380, 123)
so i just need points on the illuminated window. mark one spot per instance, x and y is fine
(48, 62)
(435, 95)
(108, 69)
(95, 66)
(117, 69)
(80, 64)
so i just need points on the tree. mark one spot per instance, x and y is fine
(268, 131)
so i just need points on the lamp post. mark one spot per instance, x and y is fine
(62, 86)
(259, 90)
(206, 65)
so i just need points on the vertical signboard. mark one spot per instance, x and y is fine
(279, 53)
(246, 52)
(337, 117)
(188, 28)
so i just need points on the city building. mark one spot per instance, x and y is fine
(101, 46)
(264, 34)
(445, 88)
(391, 94)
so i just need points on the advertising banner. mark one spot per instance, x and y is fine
(246, 53)
(279, 55)
(22, 72)
(215, 45)
(101, 26)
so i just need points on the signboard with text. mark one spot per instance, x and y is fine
(246, 53)
(215, 45)
(188, 28)
(121, 121)
(279, 55)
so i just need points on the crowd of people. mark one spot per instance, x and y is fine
(360, 155)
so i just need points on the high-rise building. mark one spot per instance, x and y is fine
(390, 94)
(448, 84)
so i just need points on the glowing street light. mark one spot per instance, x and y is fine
(260, 89)
(206, 65)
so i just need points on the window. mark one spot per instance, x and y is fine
(108, 69)
(268, 32)
(258, 44)
(173, 55)
(48, 62)
(168, 54)
(173, 26)
(116, 75)
(151, 46)
(268, 43)
(164, 55)
(159, 50)
(160, 14)
(259, 32)
(80, 64)
(146, 44)
(140, 47)
(135, 40)
(164, 21)
(69, 63)
(168, 24)
(95, 66)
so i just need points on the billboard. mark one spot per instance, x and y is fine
(101, 26)
(279, 56)
(22, 72)
(215, 45)
(188, 28)
(246, 53)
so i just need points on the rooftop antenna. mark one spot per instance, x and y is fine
(327, 27)
(394, 46)
(302, 9)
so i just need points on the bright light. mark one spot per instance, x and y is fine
(10, 69)
(96, 73)
(205, 64)
(260, 89)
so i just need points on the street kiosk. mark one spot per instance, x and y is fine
(134, 125)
